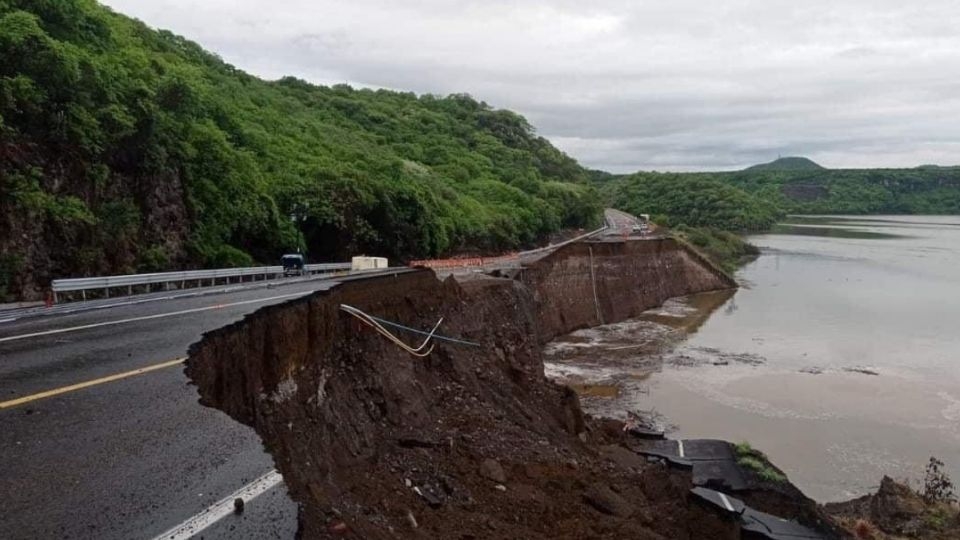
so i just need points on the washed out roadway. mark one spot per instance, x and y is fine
(133, 457)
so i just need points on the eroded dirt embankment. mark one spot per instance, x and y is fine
(591, 283)
(470, 442)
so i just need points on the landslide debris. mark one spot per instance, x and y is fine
(469, 442)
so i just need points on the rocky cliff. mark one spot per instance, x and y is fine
(87, 228)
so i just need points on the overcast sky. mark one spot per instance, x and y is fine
(624, 85)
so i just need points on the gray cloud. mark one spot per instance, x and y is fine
(625, 85)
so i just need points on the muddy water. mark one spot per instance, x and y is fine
(839, 357)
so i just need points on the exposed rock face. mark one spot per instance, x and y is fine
(470, 442)
(491, 470)
(897, 511)
(895, 501)
(629, 278)
(132, 212)
(606, 500)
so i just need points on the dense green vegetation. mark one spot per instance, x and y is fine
(123, 148)
(701, 210)
(693, 200)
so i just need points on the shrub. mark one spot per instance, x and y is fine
(937, 486)
(754, 460)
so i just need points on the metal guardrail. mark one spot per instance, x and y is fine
(508, 260)
(106, 283)
(565, 242)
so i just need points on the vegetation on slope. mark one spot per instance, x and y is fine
(696, 201)
(756, 462)
(128, 149)
(726, 249)
(702, 210)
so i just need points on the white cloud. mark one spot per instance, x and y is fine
(625, 85)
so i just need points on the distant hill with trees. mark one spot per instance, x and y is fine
(707, 207)
(798, 187)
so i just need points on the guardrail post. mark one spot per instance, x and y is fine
(106, 292)
(54, 297)
(83, 293)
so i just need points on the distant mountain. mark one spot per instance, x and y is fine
(931, 167)
(788, 164)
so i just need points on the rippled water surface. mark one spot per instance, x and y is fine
(838, 356)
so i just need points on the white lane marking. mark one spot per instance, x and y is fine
(680, 447)
(725, 501)
(11, 319)
(222, 508)
(149, 317)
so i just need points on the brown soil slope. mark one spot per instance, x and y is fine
(469, 442)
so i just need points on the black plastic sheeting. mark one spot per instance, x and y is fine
(712, 461)
(753, 523)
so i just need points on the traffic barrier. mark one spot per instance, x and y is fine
(465, 262)
(105, 283)
(474, 262)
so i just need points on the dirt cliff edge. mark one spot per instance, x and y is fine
(472, 441)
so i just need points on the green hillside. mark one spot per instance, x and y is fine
(127, 149)
(694, 200)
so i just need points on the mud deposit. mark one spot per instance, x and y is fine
(471, 441)
(609, 365)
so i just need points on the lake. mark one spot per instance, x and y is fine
(838, 356)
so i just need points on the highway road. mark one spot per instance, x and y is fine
(619, 223)
(101, 436)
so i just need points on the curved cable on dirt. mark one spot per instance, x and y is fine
(377, 324)
(436, 337)
(372, 321)
(369, 321)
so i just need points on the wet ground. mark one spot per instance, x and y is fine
(836, 357)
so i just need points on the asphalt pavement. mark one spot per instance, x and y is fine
(133, 454)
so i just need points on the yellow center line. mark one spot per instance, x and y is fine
(87, 384)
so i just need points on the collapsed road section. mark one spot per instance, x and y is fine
(377, 439)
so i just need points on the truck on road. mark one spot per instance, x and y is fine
(293, 264)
